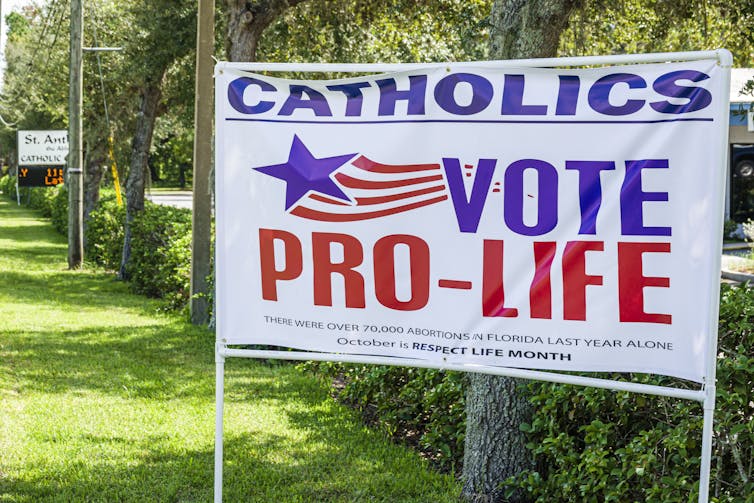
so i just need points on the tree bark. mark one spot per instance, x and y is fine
(246, 21)
(495, 446)
(528, 29)
(95, 168)
(12, 163)
(142, 142)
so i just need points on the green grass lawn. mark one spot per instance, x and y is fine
(104, 399)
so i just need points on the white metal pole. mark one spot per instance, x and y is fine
(18, 167)
(513, 63)
(685, 394)
(707, 432)
(219, 406)
(725, 60)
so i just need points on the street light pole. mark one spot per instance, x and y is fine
(75, 145)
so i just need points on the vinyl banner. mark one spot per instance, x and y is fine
(536, 218)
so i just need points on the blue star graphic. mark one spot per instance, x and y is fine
(303, 173)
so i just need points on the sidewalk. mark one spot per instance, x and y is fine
(734, 265)
(175, 198)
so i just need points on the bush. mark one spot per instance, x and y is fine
(52, 202)
(731, 230)
(748, 230)
(161, 253)
(734, 415)
(8, 186)
(58, 207)
(104, 233)
(599, 445)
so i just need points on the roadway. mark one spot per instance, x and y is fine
(177, 199)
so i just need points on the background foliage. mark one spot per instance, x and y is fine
(597, 445)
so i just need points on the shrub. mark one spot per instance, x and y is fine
(734, 415)
(104, 233)
(161, 253)
(160, 264)
(748, 230)
(599, 445)
(589, 444)
(58, 207)
(40, 198)
(52, 202)
(731, 230)
(8, 186)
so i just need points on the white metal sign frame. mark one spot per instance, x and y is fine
(705, 395)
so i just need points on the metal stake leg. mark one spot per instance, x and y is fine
(219, 406)
(707, 431)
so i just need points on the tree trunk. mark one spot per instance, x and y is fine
(95, 169)
(246, 22)
(528, 29)
(12, 163)
(495, 447)
(142, 142)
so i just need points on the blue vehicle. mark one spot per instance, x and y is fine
(741, 182)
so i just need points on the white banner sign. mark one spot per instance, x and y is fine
(42, 148)
(531, 218)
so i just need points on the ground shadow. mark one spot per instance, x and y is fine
(70, 290)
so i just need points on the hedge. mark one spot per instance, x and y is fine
(104, 233)
(160, 247)
(596, 445)
(161, 253)
(589, 444)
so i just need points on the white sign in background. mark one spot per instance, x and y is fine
(42, 148)
(378, 193)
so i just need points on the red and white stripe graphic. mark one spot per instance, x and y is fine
(376, 190)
